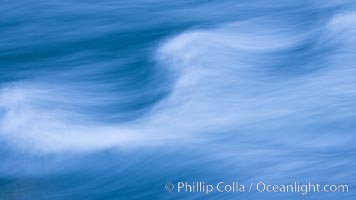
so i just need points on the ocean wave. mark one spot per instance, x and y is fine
(270, 76)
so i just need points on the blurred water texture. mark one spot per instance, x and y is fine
(113, 99)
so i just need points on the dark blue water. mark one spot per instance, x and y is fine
(114, 99)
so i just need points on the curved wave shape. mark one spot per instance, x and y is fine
(265, 76)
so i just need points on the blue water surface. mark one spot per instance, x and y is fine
(114, 99)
